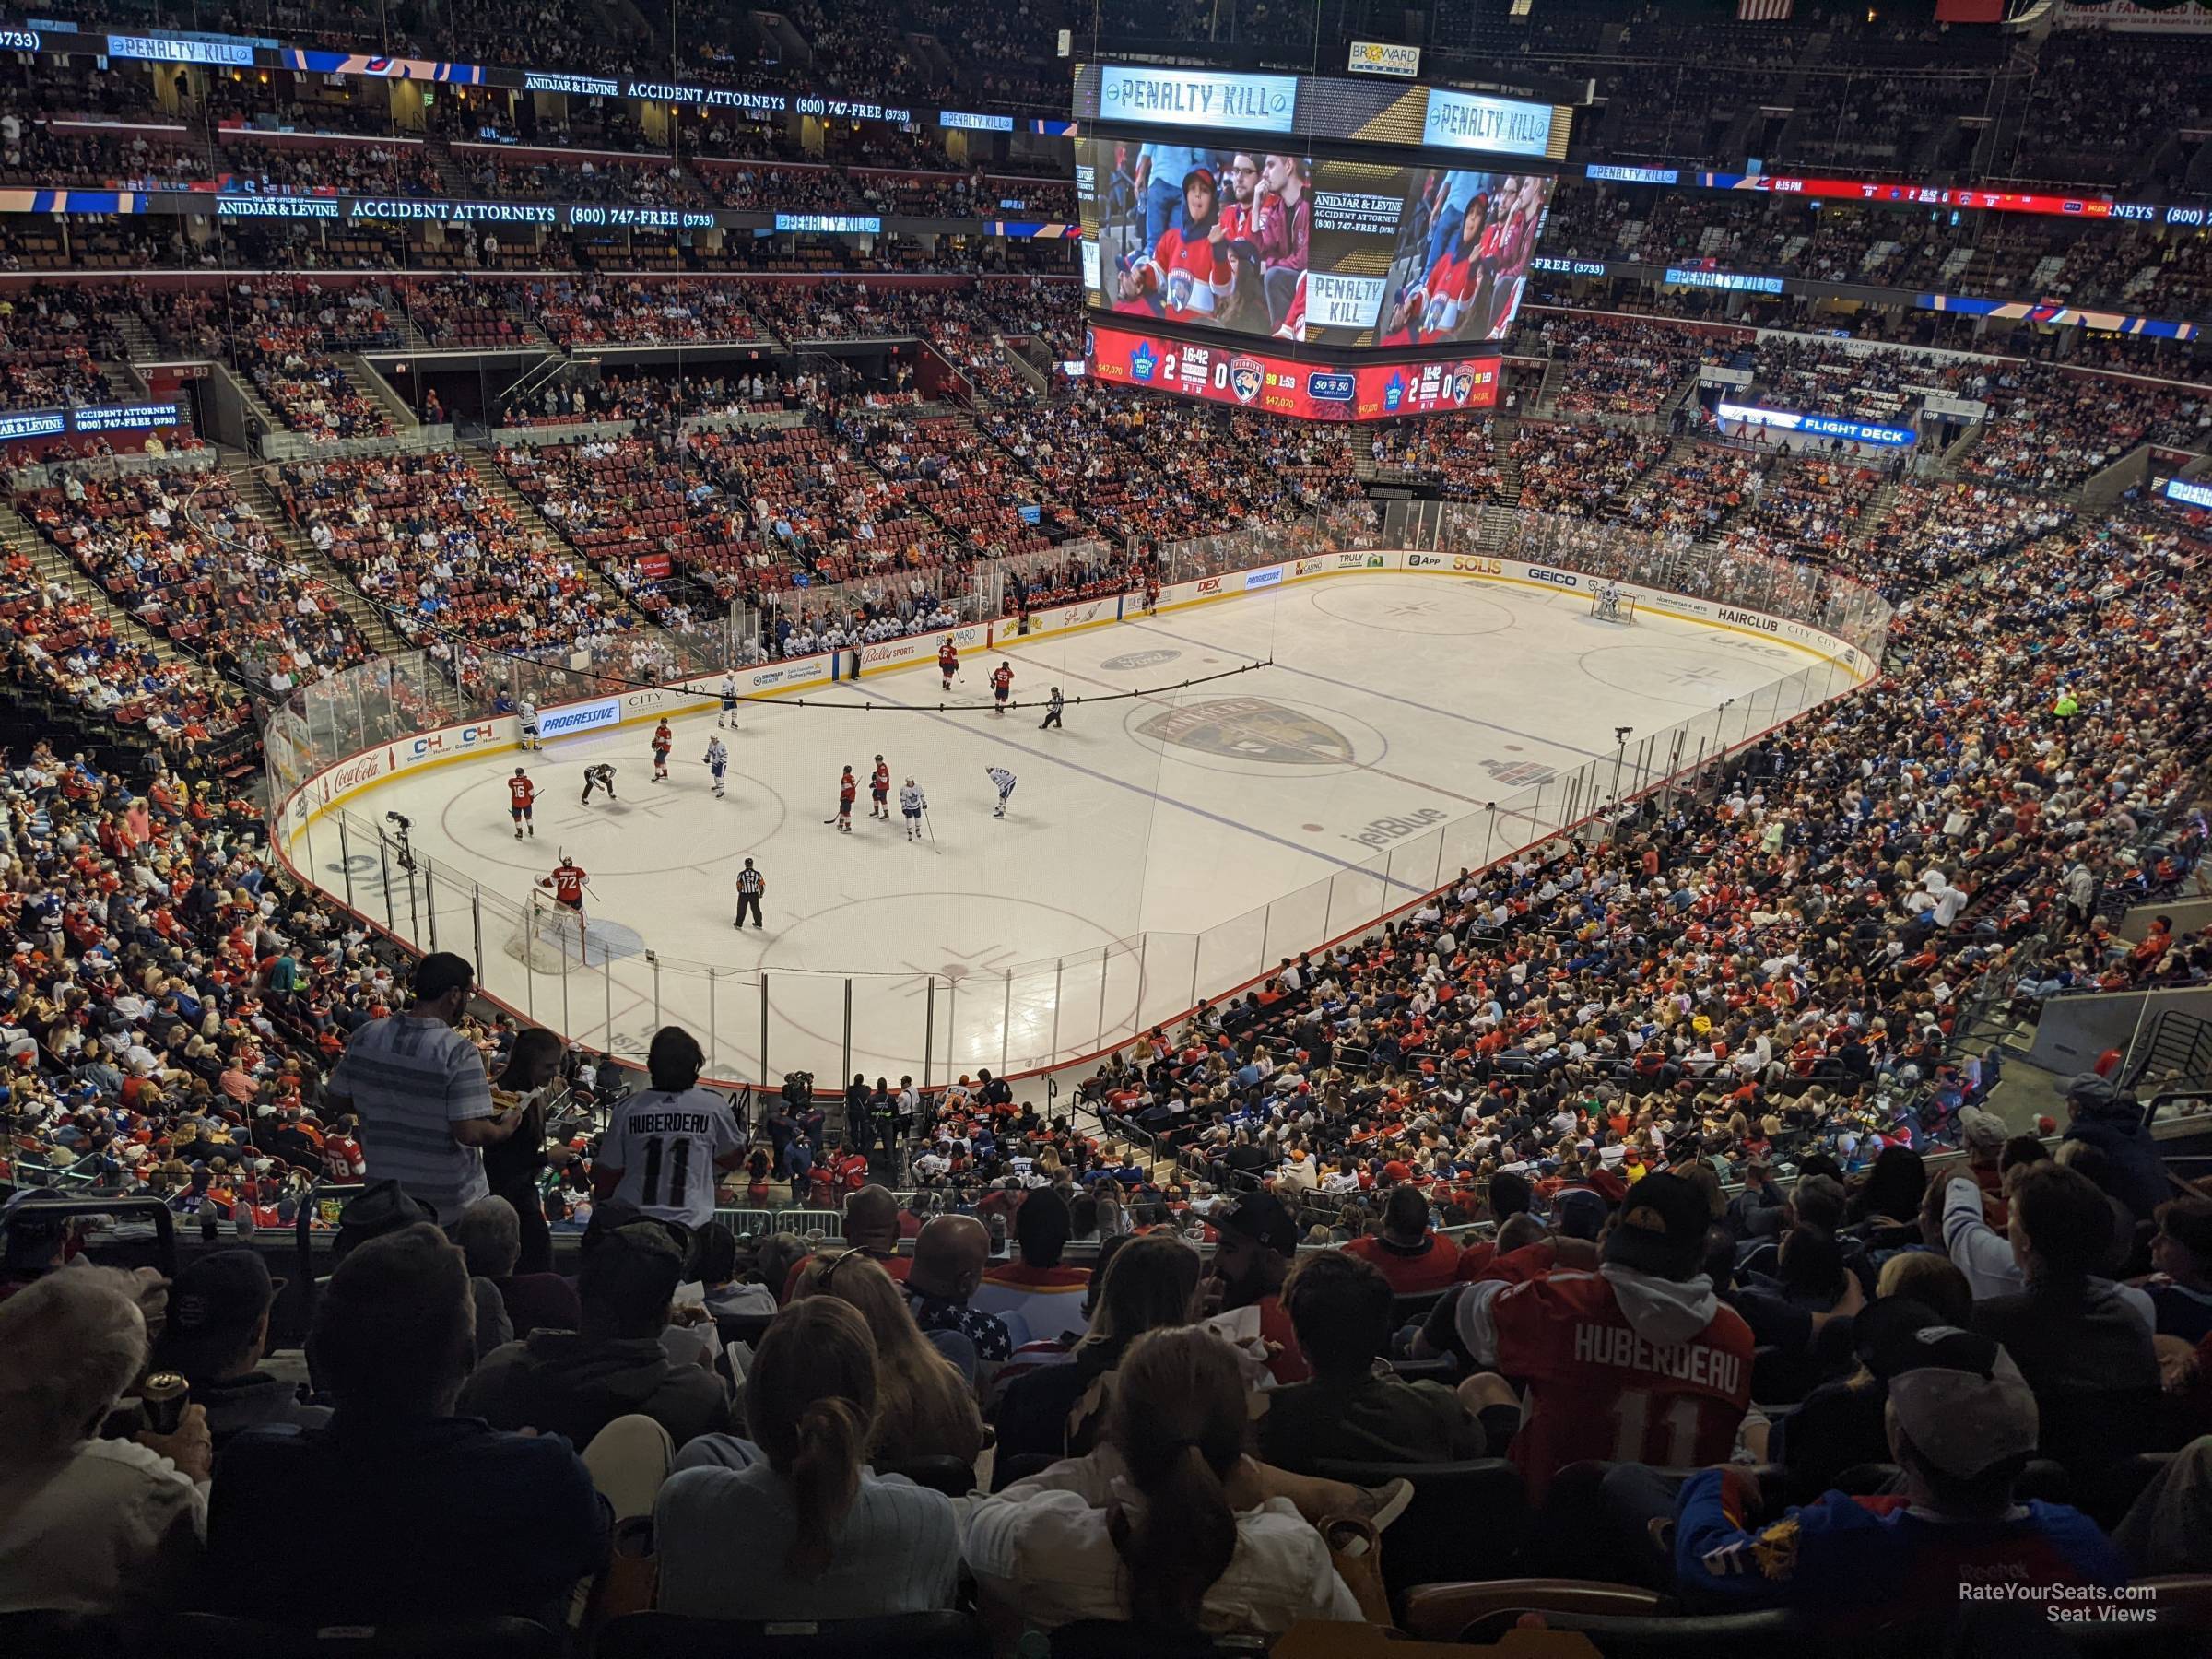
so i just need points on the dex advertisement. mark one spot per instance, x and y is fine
(1258, 379)
(1259, 241)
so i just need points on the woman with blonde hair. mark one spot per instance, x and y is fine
(1183, 1537)
(1057, 1411)
(794, 1525)
(924, 1409)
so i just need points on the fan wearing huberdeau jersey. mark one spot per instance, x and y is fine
(666, 1143)
(1637, 1362)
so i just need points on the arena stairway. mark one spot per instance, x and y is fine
(1879, 506)
(372, 385)
(244, 474)
(486, 468)
(1546, 401)
(1504, 428)
(55, 566)
(137, 339)
(69, 726)
(258, 407)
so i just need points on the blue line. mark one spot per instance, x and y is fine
(1371, 691)
(1150, 794)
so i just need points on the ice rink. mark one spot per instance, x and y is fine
(1158, 847)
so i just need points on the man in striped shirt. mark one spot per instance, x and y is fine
(418, 1086)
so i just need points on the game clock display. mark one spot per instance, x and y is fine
(1307, 390)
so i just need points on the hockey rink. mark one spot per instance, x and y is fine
(1160, 847)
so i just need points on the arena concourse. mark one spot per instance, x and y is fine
(896, 829)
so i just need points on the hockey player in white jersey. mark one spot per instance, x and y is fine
(1003, 781)
(729, 703)
(526, 719)
(718, 762)
(911, 804)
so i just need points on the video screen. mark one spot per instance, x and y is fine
(1263, 244)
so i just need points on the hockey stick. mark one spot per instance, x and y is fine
(930, 824)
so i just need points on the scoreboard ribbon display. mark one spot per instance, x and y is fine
(1308, 390)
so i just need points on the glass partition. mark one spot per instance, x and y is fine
(758, 1025)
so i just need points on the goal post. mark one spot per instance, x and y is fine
(1619, 608)
(548, 937)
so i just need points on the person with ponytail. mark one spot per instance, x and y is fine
(1170, 1525)
(793, 1525)
(924, 1407)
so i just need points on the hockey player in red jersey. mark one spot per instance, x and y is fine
(567, 883)
(521, 792)
(846, 789)
(949, 661)
(879, 791)
(662, 741)
(1002, 683)
(1637, 1363)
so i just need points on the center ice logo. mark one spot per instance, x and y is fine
(1250, 728)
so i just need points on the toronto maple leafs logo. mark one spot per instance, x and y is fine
(1246, 376)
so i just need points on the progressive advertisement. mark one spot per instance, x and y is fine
(1246, 235)
(1260, 379)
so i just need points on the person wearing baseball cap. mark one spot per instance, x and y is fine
(1981, 1136)
(216, 1330)
(2106, 1116)
(1258, 1242)
(1639, 1362)
(1961, 1423)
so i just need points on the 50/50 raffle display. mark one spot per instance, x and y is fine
(1282, 385)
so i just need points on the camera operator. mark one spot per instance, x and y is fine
(793, 1115)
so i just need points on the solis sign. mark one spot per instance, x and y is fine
(1304, 391)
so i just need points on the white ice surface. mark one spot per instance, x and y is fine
(1235, 822)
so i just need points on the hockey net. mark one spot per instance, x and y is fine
(1619, 608)
(547, 938)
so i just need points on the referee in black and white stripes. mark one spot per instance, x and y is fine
(751, 884)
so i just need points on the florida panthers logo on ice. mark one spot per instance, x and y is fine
(1246, 376)
(1520, 774)
(1250, 728)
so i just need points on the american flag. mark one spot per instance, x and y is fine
(1763, 11)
